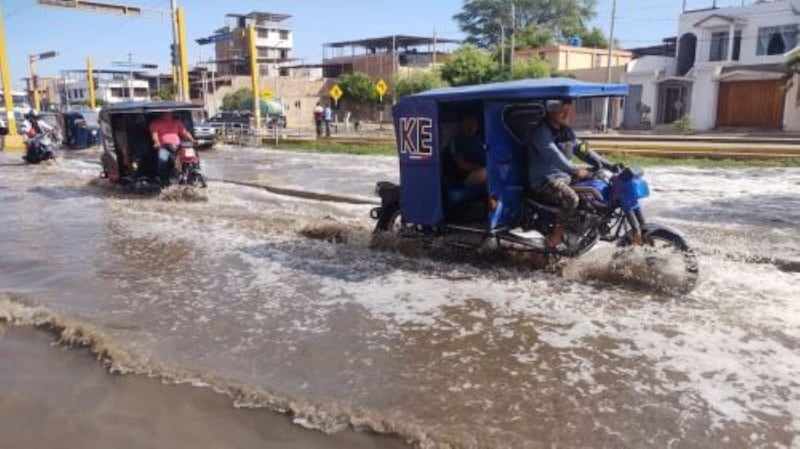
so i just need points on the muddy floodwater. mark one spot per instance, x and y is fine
(280, 304)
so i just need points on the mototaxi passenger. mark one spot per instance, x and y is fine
(167, 132)
(467, 154)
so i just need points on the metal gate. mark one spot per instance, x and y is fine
(751, 104)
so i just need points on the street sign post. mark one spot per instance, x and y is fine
(381, 87)
(336, 93)
(266, 94)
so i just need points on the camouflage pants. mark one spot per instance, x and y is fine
(558, 193)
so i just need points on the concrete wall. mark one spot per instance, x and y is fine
(704, 98)
(791, 112)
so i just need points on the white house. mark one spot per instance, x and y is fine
(115, 89)
(728, 72)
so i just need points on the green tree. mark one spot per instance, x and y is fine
(482, 20)
(592, 38)
(530, 68)
(237, 101)
(164, 93)
(469, 65)
(418, 82)
(532, 36)
(358, 88)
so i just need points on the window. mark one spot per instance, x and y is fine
(284, 54)
(719, 46)
(776, 40)
(263, 34)
(141, 92)
(284, 35)
(116, 92)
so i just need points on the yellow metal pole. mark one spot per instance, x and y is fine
(251, 38)
(182, 48)
(37, 103)
(89, 70)
(176, 83)
(12, 141)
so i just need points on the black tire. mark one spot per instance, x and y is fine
(665, 238)
(389, 219)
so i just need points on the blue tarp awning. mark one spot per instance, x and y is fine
(528, 89)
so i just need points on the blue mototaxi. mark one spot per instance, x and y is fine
(428, 203)
(77, 133)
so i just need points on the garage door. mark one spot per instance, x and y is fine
(751, 104)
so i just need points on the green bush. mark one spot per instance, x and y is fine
(683, 125)
(418, 82)
(469, 65)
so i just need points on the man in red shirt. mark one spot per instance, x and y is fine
(167, 132)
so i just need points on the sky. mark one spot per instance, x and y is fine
(106, 38)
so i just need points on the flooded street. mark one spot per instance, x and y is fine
(230, 292)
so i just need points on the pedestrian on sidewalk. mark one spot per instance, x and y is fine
(318, 116)
(328, 119)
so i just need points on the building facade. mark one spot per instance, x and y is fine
(729, 70)
(274, 44)
(386, 57)
(110, 87)
(566, 58)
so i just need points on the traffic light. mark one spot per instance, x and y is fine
(176, 54)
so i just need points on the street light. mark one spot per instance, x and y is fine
(180, 71)
(37, 104)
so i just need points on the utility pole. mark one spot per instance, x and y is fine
(184, 66)
(608, 68)
(130, 76)
(12, 141)
(251, 38)
(434, 46)
(513, 31)
(37, 104)
(90, 79)
(176, 82)
(502, 44)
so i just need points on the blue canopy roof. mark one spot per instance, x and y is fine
(527, 89)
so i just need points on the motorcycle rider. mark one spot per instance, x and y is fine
(167, 132)
(551, 145)
(34, 152)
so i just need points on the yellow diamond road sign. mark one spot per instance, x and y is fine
(381, 87)
(266, 94)
(336, 92)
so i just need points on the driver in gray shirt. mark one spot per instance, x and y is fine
(549, 170)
